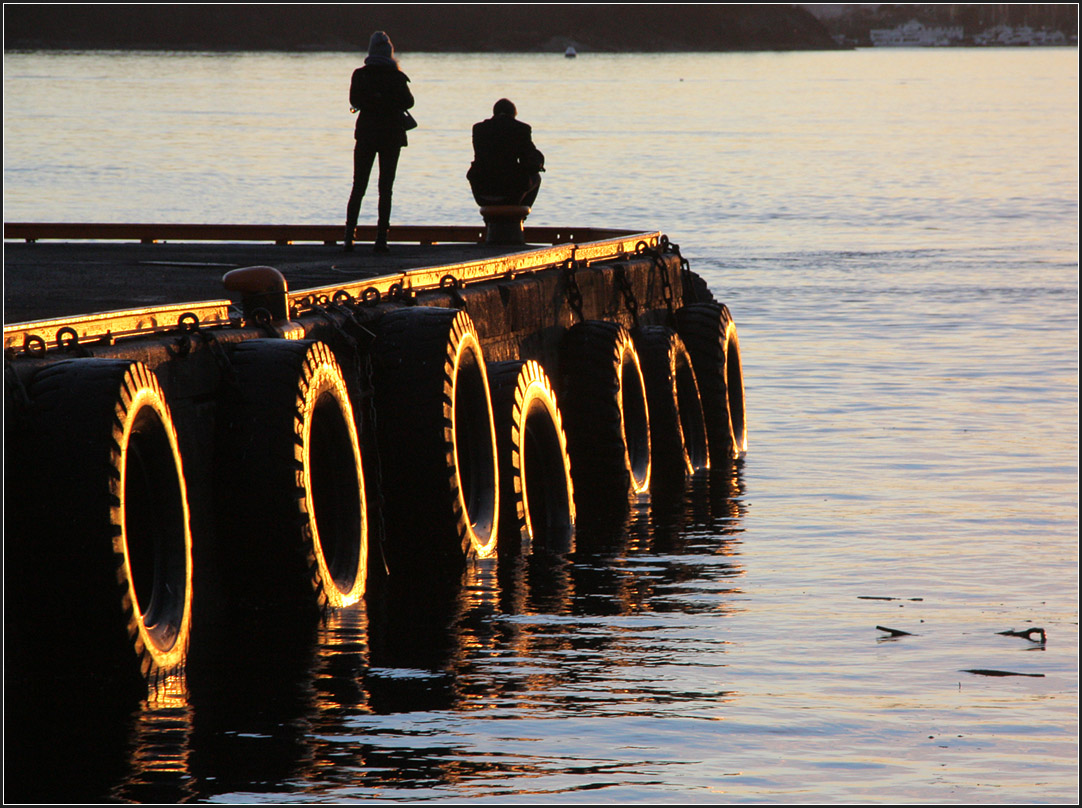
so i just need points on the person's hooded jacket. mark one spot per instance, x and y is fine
(380, 93)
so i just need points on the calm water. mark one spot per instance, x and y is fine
(896, 233)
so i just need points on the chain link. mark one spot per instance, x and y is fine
(189, 326)
(659, 268)
(674, 249)
(574, 294)
(631, 303)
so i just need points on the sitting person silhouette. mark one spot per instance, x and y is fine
(506, 167)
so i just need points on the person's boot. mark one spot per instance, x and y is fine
(348, 240)
(381, 240)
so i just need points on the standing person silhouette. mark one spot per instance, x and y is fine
(506, 168)
(379, 93)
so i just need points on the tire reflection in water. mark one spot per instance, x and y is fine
(401, 693)
(159, 766)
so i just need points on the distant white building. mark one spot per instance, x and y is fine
(1023, 35)
(914, 34)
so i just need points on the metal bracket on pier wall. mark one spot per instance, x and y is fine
(454, 288)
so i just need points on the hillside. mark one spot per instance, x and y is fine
(418, 28)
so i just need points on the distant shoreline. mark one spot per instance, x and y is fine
(291, 28)
(406, 52)
(559, 52)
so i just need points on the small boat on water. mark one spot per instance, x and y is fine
(570, 53)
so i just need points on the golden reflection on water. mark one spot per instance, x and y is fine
(160, 747)
(515, 635)
(275, 705)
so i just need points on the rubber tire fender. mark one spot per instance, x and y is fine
(678, 441)
(710, 335)
(437, 438)
(292, 478)
(537, 497)
(111, 513)
(606, 415)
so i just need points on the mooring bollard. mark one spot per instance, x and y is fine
(503, 223)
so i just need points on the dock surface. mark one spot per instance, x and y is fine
(58, 279)
(56, 270)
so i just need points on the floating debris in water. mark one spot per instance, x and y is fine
(1028, 634)
(884, 597)
(894, 632)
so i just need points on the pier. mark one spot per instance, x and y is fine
(206, 418)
